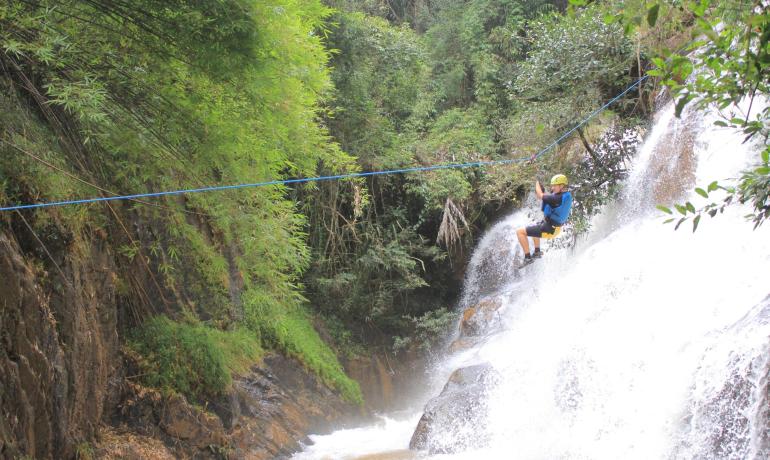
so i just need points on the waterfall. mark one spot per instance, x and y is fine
(641, 342)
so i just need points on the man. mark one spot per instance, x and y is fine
(556, 207)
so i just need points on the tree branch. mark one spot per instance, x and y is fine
(592, 153)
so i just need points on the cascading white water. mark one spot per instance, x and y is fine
(641, 342)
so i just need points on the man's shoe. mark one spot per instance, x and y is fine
(537, 254)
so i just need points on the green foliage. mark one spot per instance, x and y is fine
(652, 23)
(428, 330)
(755, 187)
(567, 52)
(344, 339)
(240, 348)
(375, 69)
(475, 47)
(441, 185)
(457, 136)
(194, 360)
(387, 269)
(368, 255)
(24, 148)
(574, 64)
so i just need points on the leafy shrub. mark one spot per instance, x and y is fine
(194, 360)
(428, 329)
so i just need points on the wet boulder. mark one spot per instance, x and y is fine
(463, 343)
(455, 420)
(481, 318)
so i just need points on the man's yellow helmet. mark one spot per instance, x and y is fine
(559, 179)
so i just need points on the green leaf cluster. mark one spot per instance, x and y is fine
(194, 360)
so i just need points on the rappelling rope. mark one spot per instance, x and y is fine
(335, 177)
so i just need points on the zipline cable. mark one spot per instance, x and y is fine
(334, 177)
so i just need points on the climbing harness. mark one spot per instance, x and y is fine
(550, 236)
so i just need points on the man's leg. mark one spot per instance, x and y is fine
(537, 254)
(522, 235)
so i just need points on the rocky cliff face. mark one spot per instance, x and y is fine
(267, 415)
(67, 390)
(59, 351)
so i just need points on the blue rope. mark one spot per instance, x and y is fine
(337, 177)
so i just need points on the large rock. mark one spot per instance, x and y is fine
(186, 423)
(456, 419)
(481, 318)
(274, 407)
